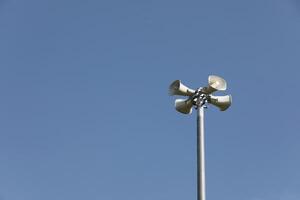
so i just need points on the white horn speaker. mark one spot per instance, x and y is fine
(222, 102)
(215, 83)
(184, 105)
(177, 88)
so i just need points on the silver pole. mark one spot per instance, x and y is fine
(200, 155)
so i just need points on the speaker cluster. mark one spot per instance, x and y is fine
(201, 96)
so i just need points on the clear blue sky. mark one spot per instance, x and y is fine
(85, 113)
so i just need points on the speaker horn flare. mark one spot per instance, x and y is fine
(215, 83)
(177, 88)
(184, 105)
(222, 102)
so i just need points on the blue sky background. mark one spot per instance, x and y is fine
(85, 113)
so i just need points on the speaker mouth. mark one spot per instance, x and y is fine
(175, 85)
(217, 82)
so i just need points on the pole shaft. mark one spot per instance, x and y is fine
(200, 155)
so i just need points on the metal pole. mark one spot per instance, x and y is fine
(200, 155)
